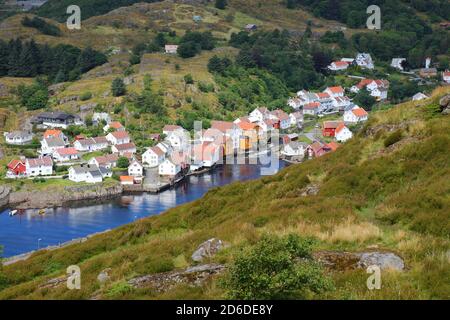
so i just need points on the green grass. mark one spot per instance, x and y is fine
(396, 199)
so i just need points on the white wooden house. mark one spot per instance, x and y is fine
(169, 168)
(39, 167)
(118, 137)
(135, 169)
(18, 137)
(343, 133)
(356, 115)
(153, 157)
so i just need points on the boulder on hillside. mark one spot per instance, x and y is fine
(342, 261)
(445, 104)
(207, 249)
(104, 276)
(192, 276)
(384, 260)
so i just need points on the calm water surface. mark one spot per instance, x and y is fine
(21, 233)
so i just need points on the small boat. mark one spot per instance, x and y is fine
(41, 212)
(13, 213)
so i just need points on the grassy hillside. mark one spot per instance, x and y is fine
(125, 26)
(56, 9)
(387, 189)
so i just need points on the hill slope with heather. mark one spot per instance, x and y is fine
(388, 189)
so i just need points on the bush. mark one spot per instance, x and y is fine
(393, 138)
(41, 25)
(86, 96)
(123, 162)
(118, 87)
(276, 268)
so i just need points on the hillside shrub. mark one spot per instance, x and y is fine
(276, 268)
(393, 138)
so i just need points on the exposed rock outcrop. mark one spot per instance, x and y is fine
(207, 249)
(4, 196)
(56, 198)
(310, 190)
(342, 261)
(192, 276)
(104, 276)
(445, 104)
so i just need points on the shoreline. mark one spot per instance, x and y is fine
(36, 200)
(24, 256)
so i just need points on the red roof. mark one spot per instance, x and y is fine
(157, 151)
(280, 114)
(338, 89)
(14, 163)
(360, 112)
(323, 95)
(332, 124)
(247, 125)
(222, 126)
(115, 125)
(171, 127)
(45, 161)
(120, 134)
(363, 83)
(340, 127)
(126, 179)
(333, 145)
(125, 146)
(340, 63)
(447, 74)
(312, 105)
(67, 151)
(106, 159)
(52, 133)
(204, 151)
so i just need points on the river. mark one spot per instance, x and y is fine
(30, 231)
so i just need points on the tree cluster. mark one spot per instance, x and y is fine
(60, 63)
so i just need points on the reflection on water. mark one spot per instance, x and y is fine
(21, 233)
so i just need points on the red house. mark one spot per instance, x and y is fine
(329, 128)
(17, 167)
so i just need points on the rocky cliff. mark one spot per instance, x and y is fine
(4, 196)
(56, 198)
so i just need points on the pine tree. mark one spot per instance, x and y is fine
(15, 50)
(221, 4)
(118, 87)
(3, 58)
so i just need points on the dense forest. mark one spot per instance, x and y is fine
(403, 33)
(294, 63)
(60, 63)
(56, 9)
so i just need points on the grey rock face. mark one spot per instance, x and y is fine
(192, 276)
(385, 260)
(342, 261)
(207, 249)
(104, 276)
(445, 104)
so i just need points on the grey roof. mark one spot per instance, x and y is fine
(55, 142)
(297, 144)
(104, 171)
(18, 134)
(93, 169)
(57, 115)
